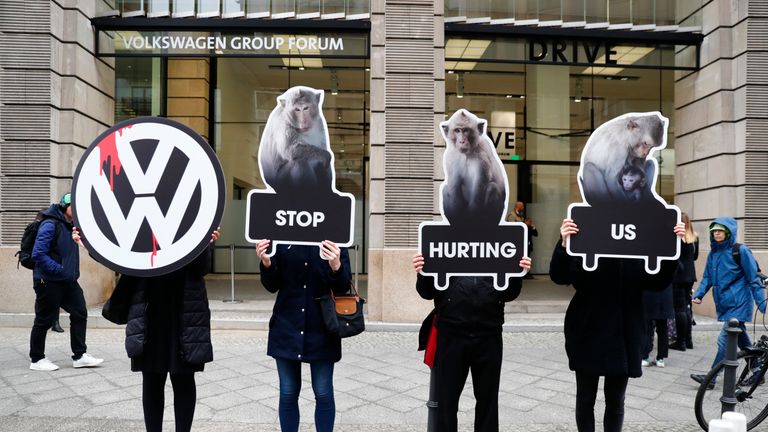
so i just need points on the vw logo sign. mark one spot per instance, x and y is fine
(146, 196)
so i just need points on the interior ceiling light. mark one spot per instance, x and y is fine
(464, 49)
(625, 55)
(334, 82)
(460, 86)
(299, 62)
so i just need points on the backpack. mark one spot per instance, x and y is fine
(736, 252)
(28, 243)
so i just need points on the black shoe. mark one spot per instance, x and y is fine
(689, 345)
(677, 347)
(56, 327)
(700, 379)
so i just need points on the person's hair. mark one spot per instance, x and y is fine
(690, 234)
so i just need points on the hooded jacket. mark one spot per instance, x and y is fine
(733, 287)
(56, 256)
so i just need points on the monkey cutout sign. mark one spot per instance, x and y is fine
(473, 239)
(301, 204)
(622, 216)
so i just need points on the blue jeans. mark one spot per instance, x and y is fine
(289, 372)
(722, 341)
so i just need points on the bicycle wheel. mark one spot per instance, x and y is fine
(751, 392)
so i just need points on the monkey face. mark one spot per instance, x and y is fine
(464, 137)
(629, 181)
(303, 114)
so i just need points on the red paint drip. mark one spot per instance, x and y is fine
(154, 250)
(108, 153)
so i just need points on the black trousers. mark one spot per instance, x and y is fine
(153, 400)
(455, 357)
(49, 297)
(660, 327)
(681, 300)
(614, 389)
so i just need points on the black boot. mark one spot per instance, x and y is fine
(56, 327)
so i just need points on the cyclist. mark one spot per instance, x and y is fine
(732, 284)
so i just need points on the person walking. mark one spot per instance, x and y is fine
(297, 333)
(169, 333)
(57, 269)
(732, 283)
(605, 330)
(658, 309)
(470, 313)
(682, 287)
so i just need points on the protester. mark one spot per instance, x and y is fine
(297, 334)
(658, 309)
(732, 284)
(604, 326)
(682, 287)
(169, 332)
(57, 268)
(470, 313)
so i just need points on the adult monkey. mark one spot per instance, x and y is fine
(626, 140)
(475, 190)
(294, 151)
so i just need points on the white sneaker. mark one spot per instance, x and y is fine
(43, 365)
(646, 362)
(86, 360)
(660, 363)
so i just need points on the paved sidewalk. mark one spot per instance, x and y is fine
(381, 385)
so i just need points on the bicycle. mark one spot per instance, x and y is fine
(751, 392)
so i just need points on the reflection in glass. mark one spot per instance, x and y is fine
(620, 13)
(550, 11)
(502, 11)
(526, 11)
(130, 8)
(139, 87)
(232, 8)
(478, 11)
(573, 12)
(207, 8)
(283, 8)
(158, 8)
(333, 9)
(183, 8)
(596, 13)
(689, 13)
(307, 9)
(455, 10)
(643, 12)
(358, 9)
(257, 8)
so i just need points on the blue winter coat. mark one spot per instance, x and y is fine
(732, 286)
(299, 276)
(56, 256)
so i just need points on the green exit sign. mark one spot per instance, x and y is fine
(514, 157)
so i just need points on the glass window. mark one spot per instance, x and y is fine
(131, 8)
(307, 9)
(596, 13)
(502, 11)
(246, 93)
(643, 13)
(573, 12)
(257, 8)
(158, 8)
(620, 13)
(207, 8)
(550, 11)
(358, 9)
(232, 8)
(139, 87)
(333, 9)
(283, 8)
(478, 11)
(455, 10)
(183, 8)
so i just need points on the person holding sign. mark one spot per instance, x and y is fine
(605, 330)
(299, 275)
(470, 313)
(169, 332)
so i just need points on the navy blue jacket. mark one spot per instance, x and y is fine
(56, 256)
(299, 276)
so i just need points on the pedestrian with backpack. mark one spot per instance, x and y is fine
(731, 272)
(56, 270)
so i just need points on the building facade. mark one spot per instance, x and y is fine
(543, 73)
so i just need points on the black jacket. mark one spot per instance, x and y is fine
(605, 329)
(299, 276)
(55, 254)
(470, 305)
(686, 267)
(194, 338)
